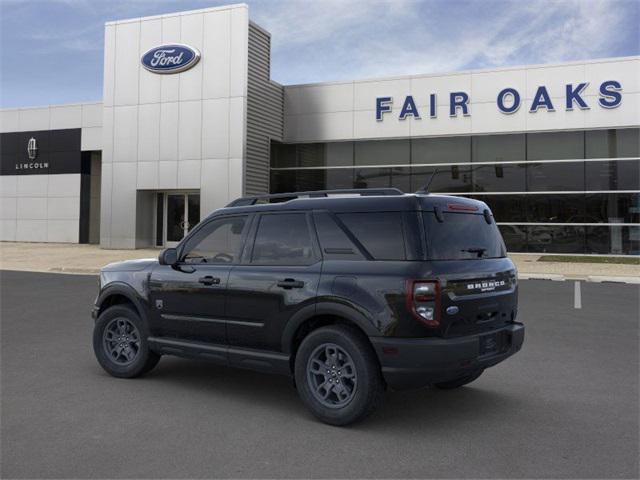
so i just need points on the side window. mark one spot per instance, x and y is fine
(334, 242)
(219, 241)
(381, 233)
(283, 239)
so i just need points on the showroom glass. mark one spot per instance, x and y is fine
(380, 233)
(612, 143)
(505, 208)
(440, 150)
(283, 239)
(455, 178)
(499, 178)
(499, 148)
(613, 175)
(386, 152)
(555, 145)
(175, 217)
(612, 208)
(217, 242)
(561, 176)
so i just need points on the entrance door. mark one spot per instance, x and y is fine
(182, 214)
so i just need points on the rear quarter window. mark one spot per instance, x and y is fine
(380, 233)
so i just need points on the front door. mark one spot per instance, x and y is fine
(182, 214)
(188, 299)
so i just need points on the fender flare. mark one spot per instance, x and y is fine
(125, 290)
(349, 313)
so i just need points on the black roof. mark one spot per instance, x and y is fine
(385, 200)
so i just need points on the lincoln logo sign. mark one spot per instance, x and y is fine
(172, 58)
(508, 101)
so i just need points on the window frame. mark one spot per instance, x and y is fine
(204, 224)
(247, 255)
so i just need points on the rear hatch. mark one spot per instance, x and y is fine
(477, 281)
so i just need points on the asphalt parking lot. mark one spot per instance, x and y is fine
(565, 406)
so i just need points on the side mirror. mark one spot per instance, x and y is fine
(169, 256)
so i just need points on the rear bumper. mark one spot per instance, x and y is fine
(417, 362)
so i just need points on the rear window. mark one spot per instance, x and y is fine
(380, 233)
(462, 236)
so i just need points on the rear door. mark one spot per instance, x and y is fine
(278, 276)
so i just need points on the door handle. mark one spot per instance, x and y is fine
(209, 280)
(288, 283)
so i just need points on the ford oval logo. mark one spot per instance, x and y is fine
(173, 58)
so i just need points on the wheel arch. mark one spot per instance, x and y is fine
(120, 294)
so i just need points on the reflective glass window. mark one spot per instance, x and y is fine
(382, 152)
(613, 175)
(372, 178)
(555, 145)
(613, 208)
(515, 237)
(499, 148)
(556, 208)
(380, 233)
(613, 143)
(565, 176)
(613, 240)
(441, 150)
(218, 241)
(451, 179)
(283, 155)
(555, 239)
(499, 178)
(506, 208)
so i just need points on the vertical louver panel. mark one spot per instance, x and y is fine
(265, 119)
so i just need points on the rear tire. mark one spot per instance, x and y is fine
(337, 375)
(120, 343)
(458, 382)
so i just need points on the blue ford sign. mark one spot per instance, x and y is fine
(171, 58)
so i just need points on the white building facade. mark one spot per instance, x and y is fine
(553, 149)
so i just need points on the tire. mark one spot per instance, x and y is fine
(340, 358)
(135, 358)
(458, 382)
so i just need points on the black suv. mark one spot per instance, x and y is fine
(347, 291)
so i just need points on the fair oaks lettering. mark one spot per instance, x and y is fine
(508, 101)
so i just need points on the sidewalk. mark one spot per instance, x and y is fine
(88, 259)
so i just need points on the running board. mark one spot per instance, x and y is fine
(260, 360)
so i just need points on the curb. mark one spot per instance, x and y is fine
(588, 278)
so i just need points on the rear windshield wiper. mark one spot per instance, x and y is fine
(479, 250)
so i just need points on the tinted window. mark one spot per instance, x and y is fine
(283, 240)
(441, 150)
(555, 145)
(449, 179)
(613, 208)
(499, 178)
(219, 241)
(562, 176)
(462, 236)
(334, 242)
(385, 152)
(506, 208)
(613, 175)
(613, 143)
(556, 239)
(381, 234)
(499, 148)
(555, 208)
(372, 178)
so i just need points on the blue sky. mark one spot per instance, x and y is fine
(51, 50)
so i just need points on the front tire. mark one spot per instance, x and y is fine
(459, 382)
(338, 375)
(120, 343)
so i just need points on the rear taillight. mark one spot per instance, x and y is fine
(423, 300)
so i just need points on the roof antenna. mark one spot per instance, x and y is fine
(425, 188)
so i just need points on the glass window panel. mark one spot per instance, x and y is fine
(506, 208)
(401, 179)
(613, 143)
(283, 240)
(283, 181)
(339, 154)
(283, 155)
(380, 233)
(382, 152)
(450, 179)
(333, 240)
(556, 208)
(310, 154)
(193, 201)
(175, 217)
(218, 241)
(555, 145)
(613, 208)
(499, 178)
(515, 237)
(613, 240)
(307, 180)
(441, 150)
(339, 178)
(555, 239)
(499, 148)
(544, 177)
(372, 178)
(613, 175)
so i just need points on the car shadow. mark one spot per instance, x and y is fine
(399, 410)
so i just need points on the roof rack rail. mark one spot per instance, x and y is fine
(246, 201)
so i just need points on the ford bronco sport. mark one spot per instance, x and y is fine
(349, 292)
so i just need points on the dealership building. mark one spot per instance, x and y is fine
(191, 120)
